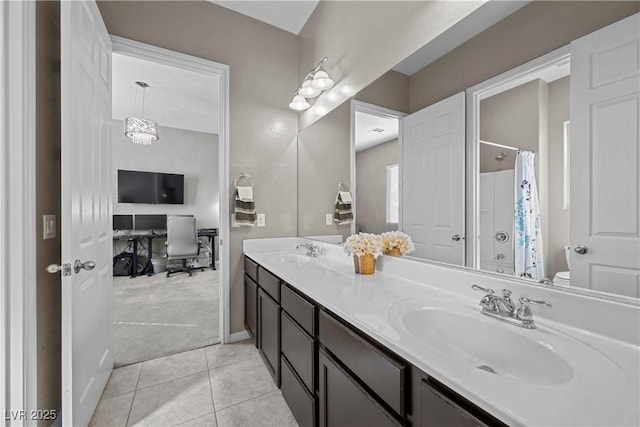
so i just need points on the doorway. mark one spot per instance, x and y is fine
(522, 114)
(156, 315)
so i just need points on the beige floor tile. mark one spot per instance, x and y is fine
(169, 368)
(241, 381)
(208, 420)
(112, 411)
(225, 354)
(267, 410)
(122, 380)
(172, 402)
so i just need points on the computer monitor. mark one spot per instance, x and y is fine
(123, 222)
(151, 222)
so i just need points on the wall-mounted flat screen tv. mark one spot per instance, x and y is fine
(150, 187)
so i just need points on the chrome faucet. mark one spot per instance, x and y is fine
(312, 250)
(503, 307)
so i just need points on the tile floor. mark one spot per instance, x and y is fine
(219, 385)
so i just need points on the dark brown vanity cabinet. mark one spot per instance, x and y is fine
(298, 355)
(269, 333)
(251, 307)
(332, 375)
(344, 402)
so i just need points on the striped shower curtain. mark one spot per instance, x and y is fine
(529, 259)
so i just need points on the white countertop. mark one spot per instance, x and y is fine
(603, 390)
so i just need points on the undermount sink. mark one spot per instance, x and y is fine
(287, 257)
(483, 345)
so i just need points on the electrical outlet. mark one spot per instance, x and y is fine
(261, 220)
(48, 227)
(328, 219)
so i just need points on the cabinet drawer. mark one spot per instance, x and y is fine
(250, 306)
(384, 375)
(298, 347)
(301, 310)
(270, 283)
(343, 402)
(251, 268)
(300, 401)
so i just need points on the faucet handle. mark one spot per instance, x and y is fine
(480, 288)
(527, 301)
(506, 293)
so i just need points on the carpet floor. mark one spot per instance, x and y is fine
(155, 316)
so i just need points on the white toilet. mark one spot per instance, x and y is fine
(562, 277)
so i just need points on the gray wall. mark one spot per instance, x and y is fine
(536, 29)
(371, 186)
(262, 127)
(324, 154)
(48, 202)
(193, 154)
(365, 39)
(509, 118)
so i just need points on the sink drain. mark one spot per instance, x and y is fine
(487, 369)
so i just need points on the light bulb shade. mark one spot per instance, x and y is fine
(308, 91)
(141, 131)
(299, 103)
(321, 80)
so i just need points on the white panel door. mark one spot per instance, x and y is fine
(87, 356)
(605, 158)
(433, 180)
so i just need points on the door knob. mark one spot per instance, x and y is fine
(456, 237)
(87, 265)
(581, 249)
(501, 236)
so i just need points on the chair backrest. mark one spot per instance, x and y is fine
(182, 239)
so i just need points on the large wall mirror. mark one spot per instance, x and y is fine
(526, 147)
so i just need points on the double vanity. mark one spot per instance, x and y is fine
(419, 343)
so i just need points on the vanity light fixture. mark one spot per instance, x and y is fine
(139, 129)
(316, 81)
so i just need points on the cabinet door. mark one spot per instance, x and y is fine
(269, 333)
(343, 402)
(438, 410)
(251, 308)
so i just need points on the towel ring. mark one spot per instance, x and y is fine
(344, 186)
(243, 180)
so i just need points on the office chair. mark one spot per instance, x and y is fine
(182, 242)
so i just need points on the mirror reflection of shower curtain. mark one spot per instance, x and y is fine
(529, 258)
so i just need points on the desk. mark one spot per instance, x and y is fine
(136, 235)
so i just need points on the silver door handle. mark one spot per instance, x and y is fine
(581, 249)
(456, 237)
(87, 265)
(501, 236)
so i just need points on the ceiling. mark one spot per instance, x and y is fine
(366, 137)
(288, 15)
(176, 98)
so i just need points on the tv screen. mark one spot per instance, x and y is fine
(150, 187)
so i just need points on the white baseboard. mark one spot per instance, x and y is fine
(239, 336)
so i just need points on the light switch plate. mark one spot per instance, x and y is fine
(328, 219)
(261, 220)
(48, 227)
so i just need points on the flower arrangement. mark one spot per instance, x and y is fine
(397, 243)
(363, 244)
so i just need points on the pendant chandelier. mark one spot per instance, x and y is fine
(139, 129)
